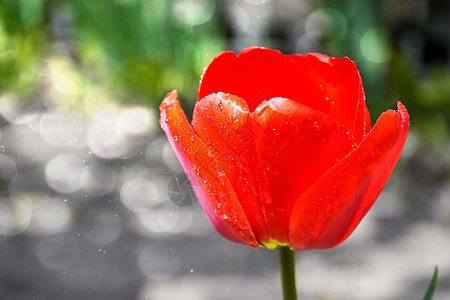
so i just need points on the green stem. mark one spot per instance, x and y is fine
(287, 263)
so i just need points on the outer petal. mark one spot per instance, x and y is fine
(330, 85)
(296, 146)
(212, 187)
(331, 209)
(222, 122)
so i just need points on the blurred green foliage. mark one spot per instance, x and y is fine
(362, 31)
(136, 49)
(23, 42)
(150, 47)
(427, 97)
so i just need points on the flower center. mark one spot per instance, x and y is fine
(273, 244)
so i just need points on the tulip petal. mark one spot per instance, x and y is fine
(330, 85)
(339, 82)
(297, 145)
(222, 122)
(329, 211)
(211, 186)
(259, 74)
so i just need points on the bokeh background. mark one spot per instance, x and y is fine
(93, 203)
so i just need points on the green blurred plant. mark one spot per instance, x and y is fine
(23, 43)
(149, 47)
(361, 31)
(136, 49)
(433, 283)
(427, 96)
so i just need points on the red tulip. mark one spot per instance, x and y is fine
(281, 149)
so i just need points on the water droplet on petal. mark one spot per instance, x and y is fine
(268, 200)
(219, 212)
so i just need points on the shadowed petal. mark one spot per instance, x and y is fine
(211, 186)
(330, 210)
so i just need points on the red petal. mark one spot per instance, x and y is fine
(297, 145)
(213, 190)
(331, 209)
(339, 82)
(222, 122)
(330, 85)
(257, 74)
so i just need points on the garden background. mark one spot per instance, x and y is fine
(93, 202)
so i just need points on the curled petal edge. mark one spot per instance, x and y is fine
(211, 186)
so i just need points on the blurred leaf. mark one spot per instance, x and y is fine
(138, 50)
(22, 44)
(142, 43)
(430, 292)
(425, 94)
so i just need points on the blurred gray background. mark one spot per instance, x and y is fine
(93, 203)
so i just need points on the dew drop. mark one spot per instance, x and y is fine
(316, 126)
(268, 200)
(218, 211)
(275, 131)
(192, 139)
(240, 232)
